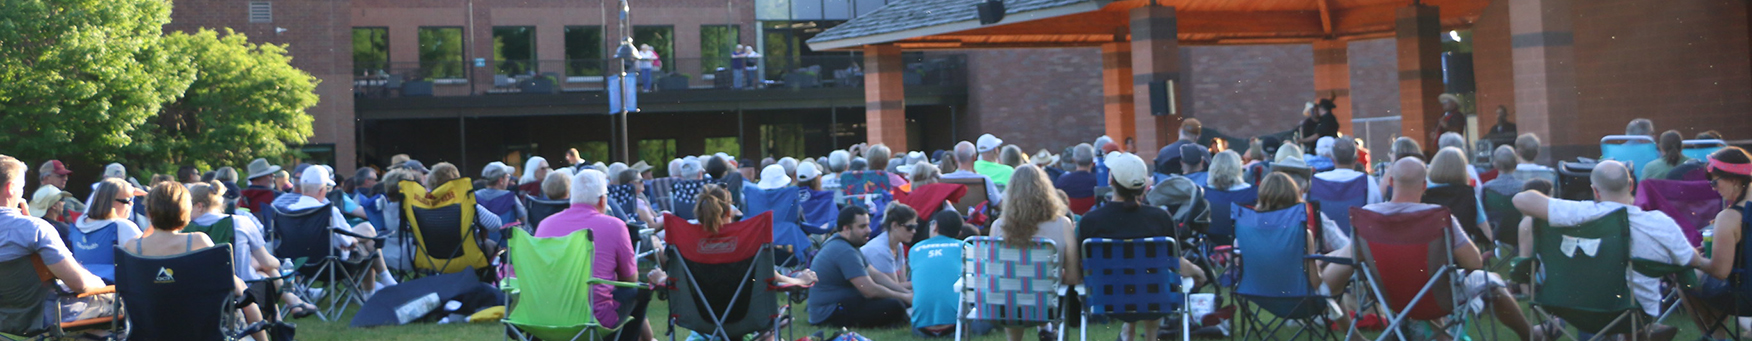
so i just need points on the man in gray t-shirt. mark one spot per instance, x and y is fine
(850, 293)
(23, 236)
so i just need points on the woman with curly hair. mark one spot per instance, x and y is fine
(1032, 209)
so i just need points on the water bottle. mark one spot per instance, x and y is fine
(285, 266)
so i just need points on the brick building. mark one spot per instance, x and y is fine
(488, 99)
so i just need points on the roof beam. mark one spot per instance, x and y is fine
(1325, 17)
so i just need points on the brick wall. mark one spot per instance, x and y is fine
(1035, 98)
(1248, 90)
(1492, 63)
(1375, 92)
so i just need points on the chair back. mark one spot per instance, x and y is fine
(1338, 197)
(929, 199)
(786, 211)
(540, 209)
(304, 234)
(820, 213)
(1011, 285)
(1589, 289)
(1222, 229)
(443, 223)
(721, 276)
(1574, 180)
(1406, 252)
(1637, 149)
(92, 249)
(626, 197)
(1273, 271)
(1132, 276)
(553, 284)
(221, 232)
(870, 190)
(684, 194)
(180, 297)
(1462, 202)
(1505, 219)
(976, 194)
(1693, 204)
(1700, 149)
(23, 297)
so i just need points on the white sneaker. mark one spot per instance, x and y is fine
(313, 294)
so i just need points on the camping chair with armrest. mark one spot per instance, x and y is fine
(1693, 204)
(224, 232)
(540, 209)
(1739, 287)
(181, 297)
(1134, 280)
(684, 194)
(553, 289)
(1011, 286)
(1505, 221)
(305, 239)
(1337, 198)
(742, 253)
(1273, 276)
(975, 196)
(1636, 149)
(788, 236)
(1700, 149)
(870, 190)
(443, 226)
(1223, 202)
(1588, 289)
(1408, 265)
(1572, 181)
(28, 293)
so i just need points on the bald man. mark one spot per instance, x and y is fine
(1408, 176)
(965, 155)
(1653, 235)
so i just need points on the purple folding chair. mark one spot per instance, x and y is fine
(1690, 203)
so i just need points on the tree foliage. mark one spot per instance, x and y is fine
(98, 81)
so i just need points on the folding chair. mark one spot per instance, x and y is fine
(870, 190)
(224, 232)
(92, 250)
(28, 293)
(1700, 149)
(553, 290)
(1505, 221)
(976, 194)
(1011, 286)
(443, 226)
(683, 197)
(702, 268)
(788, 237)
(540, 209)
(1693, 204)
(181, 297)
(929, 199)
(304, 238)
(1337, 198)
(1589, 289)
(820, 212)
(1273, 276)
(503, 207)
(1636, 149)
(1222, 229)
(1134, 280)
(1407, 263)
(1573, 182)
(1739, 288)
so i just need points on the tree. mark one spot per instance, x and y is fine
(78, 76)
(247, 101)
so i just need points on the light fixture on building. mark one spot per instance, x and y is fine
(991, 12)
(1455, 35)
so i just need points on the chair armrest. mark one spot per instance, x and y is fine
(1330, 259)
(108, 289)
(618, 284)
(349, 233)
(1651, 268)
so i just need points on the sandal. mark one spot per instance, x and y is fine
(302, 310)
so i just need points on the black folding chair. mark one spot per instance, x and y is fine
(181, 297)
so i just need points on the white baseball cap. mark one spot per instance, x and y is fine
(1127, 170)
(807, 171)
(316, 176)
(988, 143)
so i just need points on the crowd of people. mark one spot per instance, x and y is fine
(892, 264)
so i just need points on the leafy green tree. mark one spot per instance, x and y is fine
(247, 101)
(77, 77)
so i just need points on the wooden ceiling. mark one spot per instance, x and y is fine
(1208, 22)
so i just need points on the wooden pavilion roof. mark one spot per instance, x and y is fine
(954, 24)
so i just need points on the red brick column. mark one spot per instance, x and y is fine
(1116, 88)
(884, 96)
(1542, 38)
(1332, 79)
(1155, 46)
(1419, 41)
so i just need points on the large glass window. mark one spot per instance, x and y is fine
(583, 51)
(717, 42)
(441, 52)
(780, 140)
(370, 50)
(514, 50)
(656, 152)
(727, 145)
(661, 39)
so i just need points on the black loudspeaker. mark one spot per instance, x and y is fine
(991, 12)
(1162, 101)
(1457, 73)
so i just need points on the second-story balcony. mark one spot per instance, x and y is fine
(495, 77)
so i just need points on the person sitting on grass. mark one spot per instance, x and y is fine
(851, 293)
(887, 252)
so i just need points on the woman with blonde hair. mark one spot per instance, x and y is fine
(1448, 187)
(1032, 209)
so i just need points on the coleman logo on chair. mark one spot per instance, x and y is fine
(165, 275)
(717, 245)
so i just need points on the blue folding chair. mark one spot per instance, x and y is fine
(787, 235)
(1637, 149)
(1337, 198)
(870, 190)
(1011, 286)
(1700, 149)
(683, 197)
(1274, 276)
(1134, 280)
(1222, 229)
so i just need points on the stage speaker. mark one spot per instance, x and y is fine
(1162, 99)
(991, 12)
(1457, 73)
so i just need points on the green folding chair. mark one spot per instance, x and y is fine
(1589, 290)
(552, 289)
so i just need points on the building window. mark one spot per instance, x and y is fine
(661, 39)
(370, 50)
(726, 145)
(261, 12)
(717, 42)
(441, 53)
(656, 152)
(779, 140)
(514, 50)
(584, 52)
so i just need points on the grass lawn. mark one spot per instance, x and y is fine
(313, 329)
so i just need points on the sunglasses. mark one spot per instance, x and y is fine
(910, 227)
(124, 201)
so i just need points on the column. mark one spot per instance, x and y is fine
(1332, 79)
(1155, 47)
(1116, 88)
(1542, 38)
(1419, 41)
(884, 96)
